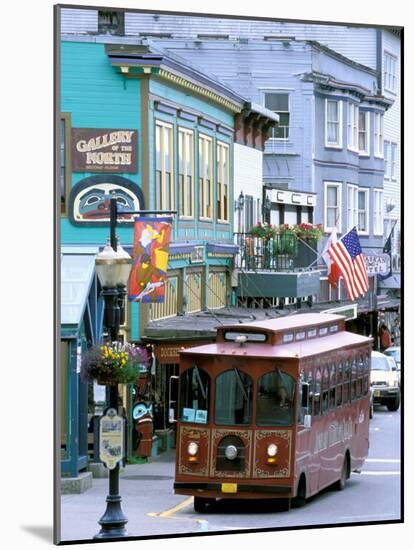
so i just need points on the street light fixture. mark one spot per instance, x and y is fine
(113, 265)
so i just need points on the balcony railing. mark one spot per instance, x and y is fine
(279, 253)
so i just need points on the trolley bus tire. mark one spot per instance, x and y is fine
(340, 484)
(300, 499)
(201, 504)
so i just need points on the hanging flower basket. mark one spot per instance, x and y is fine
(113, 364)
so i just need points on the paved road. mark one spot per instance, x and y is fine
(152, 509)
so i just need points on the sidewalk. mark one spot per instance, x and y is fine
(145, 489)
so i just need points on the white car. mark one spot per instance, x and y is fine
(395, 353)
(384, 382)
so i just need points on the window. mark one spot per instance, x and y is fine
(325, 390)
(354, 375)
(390, 66)
(332, 387)
(379, 135)
(64, 175)
(333, 126)
(352, 127)
(111, 22)
(279, 104)
(233, 399)
(393, 161)
(352, 206)
(185, 173)
(164, 179)
(317, 394)
(333, 206)
(363, 132)
(347, 383)
(378, 212)
(223, 182)
(194, 396)
(339, 377)
(275, 399)
(387, 165)
(363, 209)
(205, 174)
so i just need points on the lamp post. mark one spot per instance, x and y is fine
(240, 207)
(267, 207)
(113, 265)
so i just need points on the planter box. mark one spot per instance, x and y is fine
(278, 285)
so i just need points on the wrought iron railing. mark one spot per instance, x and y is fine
(279, 253)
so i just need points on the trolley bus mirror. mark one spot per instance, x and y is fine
(305, 396)
(307, 421)
(173, 399)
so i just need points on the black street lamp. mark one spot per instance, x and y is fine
(239, 208)
(113, 265)
(267, 207)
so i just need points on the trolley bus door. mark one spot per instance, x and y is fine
(173, 399)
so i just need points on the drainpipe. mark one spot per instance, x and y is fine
(379, 61)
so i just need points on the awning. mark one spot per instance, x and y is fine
(77, 273)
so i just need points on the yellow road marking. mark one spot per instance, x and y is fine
(172, 511)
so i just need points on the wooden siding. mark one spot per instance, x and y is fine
(78, 21)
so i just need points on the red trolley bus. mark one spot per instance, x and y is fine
(273, 409)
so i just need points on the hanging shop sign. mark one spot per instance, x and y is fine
(111, 438)
(89, 200)
(104, 150)
(377, 264)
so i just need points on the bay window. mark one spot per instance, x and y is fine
(363, 133)
(332, 215)
(379, 134)
(205, 174)
(363, 209)
(352, 200)
(223, 182)
(333, 123)
(185, 173)
(164, 174)
(378, 212)
(352, 127)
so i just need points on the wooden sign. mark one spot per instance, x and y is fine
(111, 438)
(104, 150)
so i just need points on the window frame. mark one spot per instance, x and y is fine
(378, 228)
(273, 130)
(338, 227)
(220, 147)
(364, 152)
(188, 209)
(202, 189)
(353, 127)
(387, 164)
(339, 143)
(393, 161)
(364, 190)
(67, 178)
(379, 135)
(161, 202)
(390, 72)
(352, 209)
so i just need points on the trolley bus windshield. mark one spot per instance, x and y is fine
(275, 399)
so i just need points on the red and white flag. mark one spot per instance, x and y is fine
(348, 257)
(333, 269)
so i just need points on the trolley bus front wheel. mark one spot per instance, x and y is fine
(201, 504)
(340, 484)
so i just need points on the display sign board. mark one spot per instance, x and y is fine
(377, 264)
(111, 438)
(104, 150)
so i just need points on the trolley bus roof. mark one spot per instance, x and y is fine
(294, 350)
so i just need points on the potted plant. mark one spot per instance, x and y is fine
(309, 231)
(116, 363)
(264, 231)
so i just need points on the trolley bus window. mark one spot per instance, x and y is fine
(194, 396)
(317, 394)
(339, 377)
(233, 401)
(275, 399)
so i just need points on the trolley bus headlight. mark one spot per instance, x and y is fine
(231, 452)
(192, 448)
(272, 450)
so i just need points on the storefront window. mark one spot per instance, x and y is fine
(194, 396)
(275, 399)
(233, 398)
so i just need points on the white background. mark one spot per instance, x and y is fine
(26, 353)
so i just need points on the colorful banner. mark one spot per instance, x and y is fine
(150, 260)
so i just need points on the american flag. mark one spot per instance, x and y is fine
(347, 255)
